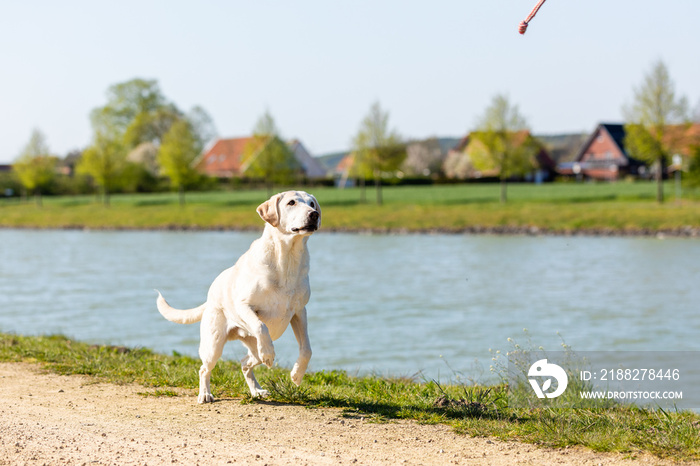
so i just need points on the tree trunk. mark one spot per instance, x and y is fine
(504, 170)
(378, 187)
(181, 195)
(504, 194)
(660, 181)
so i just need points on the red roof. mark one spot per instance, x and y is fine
(682, 138)
(224, 157)
(345, 163)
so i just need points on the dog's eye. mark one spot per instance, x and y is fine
(291, 202)
(313, 205)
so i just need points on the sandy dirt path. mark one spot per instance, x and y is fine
(56, 420)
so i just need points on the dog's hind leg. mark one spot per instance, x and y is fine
(300, 331)
(248, 363)
(213, 337)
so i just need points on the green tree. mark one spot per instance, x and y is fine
(377, 150)
(179, 149)
(504, 149)
(692, 178)
(151, 126)
(202, 125)
(266, 126)
(136, 111)
(104, 161)
(35, 167)
(655, 106)
(268, 157)
(360, 167)
(134, 122)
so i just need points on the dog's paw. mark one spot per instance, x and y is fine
(267, 354)
(260, 393)
(205, 398)
(297, 375)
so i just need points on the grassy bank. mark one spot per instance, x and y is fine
(621, 207)
(469, 410)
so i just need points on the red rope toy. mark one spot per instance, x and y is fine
(523, 24)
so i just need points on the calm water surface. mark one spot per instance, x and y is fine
(392, 305)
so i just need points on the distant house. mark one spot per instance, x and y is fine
(342, 171)
(423, 158)
(146, 155)
(683, 140)
(313, 169)
(426, 157)
(5, 168)
(337, 165)
(340, 165)
(224, 159)
(67, 165)
(563, 147)
(331, 161)
(603, 156)
(459, 162)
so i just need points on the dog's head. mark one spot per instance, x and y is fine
(292, 212)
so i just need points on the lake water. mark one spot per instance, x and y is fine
(391, 305)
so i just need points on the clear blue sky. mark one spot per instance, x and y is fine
(319, 65)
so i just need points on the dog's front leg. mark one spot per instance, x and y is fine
(248, 363)
(258, 329)
(301, 333)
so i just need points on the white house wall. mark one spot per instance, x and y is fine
(312, 167)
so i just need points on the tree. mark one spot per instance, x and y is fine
(202, 125)
(655, 106)
(376, 149)
(104, 161)
(35, 167)
(423, 158)
(268, 157)
(134, 123)
(457, 166)
(136, 111)
(266, 126)
(504, 149)
(151, 126)
(179, 149)
(693, 176)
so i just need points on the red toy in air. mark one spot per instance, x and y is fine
(523, 24)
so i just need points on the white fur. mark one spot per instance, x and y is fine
(255, 300)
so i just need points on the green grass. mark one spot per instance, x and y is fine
(470, 410)
(559, 207)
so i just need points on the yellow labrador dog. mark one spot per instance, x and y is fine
(255, 300)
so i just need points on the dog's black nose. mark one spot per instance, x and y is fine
(314, 216)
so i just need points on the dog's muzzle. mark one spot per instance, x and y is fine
(311, 225)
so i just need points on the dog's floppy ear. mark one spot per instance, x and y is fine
(269, 210)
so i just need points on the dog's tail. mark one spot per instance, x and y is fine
(179, 316)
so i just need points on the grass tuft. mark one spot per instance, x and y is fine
(477, 402)
(282, 389)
